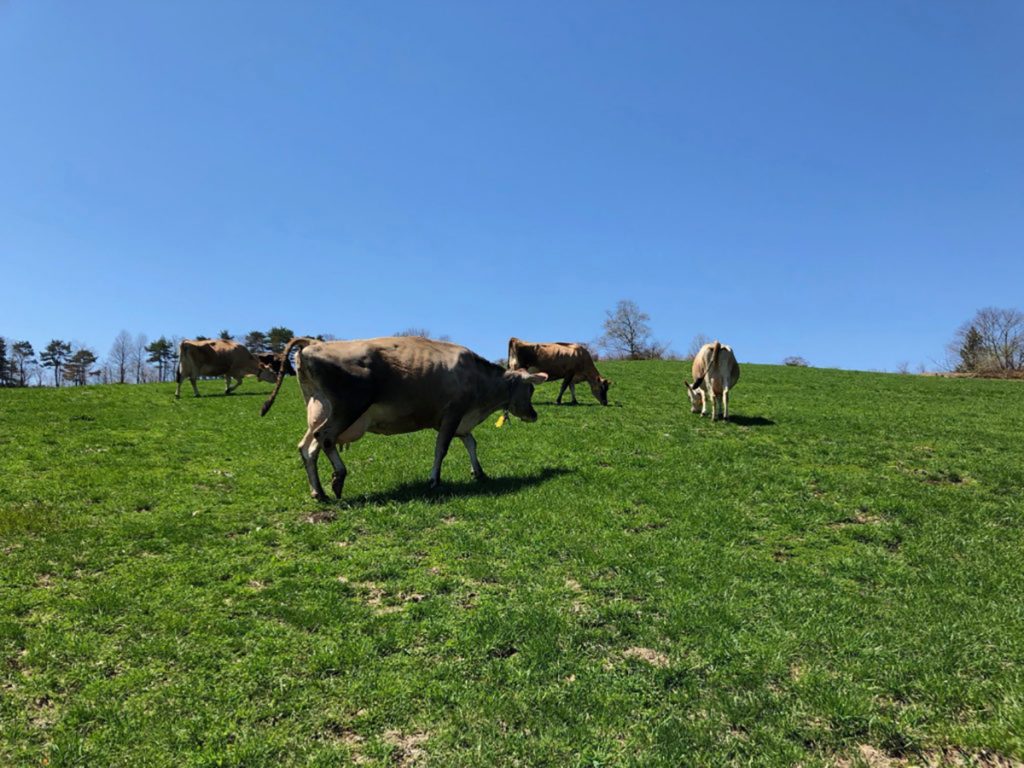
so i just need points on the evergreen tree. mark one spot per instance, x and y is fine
(5, 364)
(972, 351)
(278, 337)
(160, 352)
(256, 342)
(54, 356)
(22, 358)
(77, 368)
(226, 335)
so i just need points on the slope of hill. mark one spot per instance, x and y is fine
(836, 570)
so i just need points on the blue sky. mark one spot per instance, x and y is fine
(838, 180)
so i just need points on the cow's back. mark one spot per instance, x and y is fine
(726, 371)
(214, 357)
(557, 360)
(392, 366)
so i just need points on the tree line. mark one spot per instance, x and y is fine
(989, 344)
(131, 359)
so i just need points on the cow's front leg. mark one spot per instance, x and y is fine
(195, 389)
(704, 405)
(470, 442)
(444, 439)
(565, 386)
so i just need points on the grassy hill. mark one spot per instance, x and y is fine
(835, 576)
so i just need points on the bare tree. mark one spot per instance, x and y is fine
(119, 357)
(414, 332)
(903, 368)
(796, 361)
(138, 358)
(991, 341)
(696, 344)
(627, 334)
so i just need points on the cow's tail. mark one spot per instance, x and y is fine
(513, 359)
(301, 342)
(714, 355)
(181, 358)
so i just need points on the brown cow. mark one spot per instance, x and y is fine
(571, 363)
(393, 385)
(715, 371)
(218, 357)
(274, 363)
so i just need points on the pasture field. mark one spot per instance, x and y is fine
(832, 578)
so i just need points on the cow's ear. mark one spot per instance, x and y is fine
(537, 378)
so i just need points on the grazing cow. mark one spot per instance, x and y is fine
(715, 371)
(218, 357)
(274, 363)
(571, 363)
(394, 385)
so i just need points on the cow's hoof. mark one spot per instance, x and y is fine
(337, 484)
(479, 476)
(319, 496)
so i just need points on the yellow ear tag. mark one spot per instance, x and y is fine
(500, 422)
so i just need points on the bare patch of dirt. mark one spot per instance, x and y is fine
(43, 713)
(256, 584)
(858, 518)
(948, 757)
(647, 655)
(326, 516)
(573, 585)
(406, 749)
(383, 603)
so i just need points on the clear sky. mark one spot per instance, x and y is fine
(838, 180)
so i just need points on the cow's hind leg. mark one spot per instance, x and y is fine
(444, 439)
(195, 389)
(470, 442)
(572, 390)
(317, 414)
(340, 470)
(725, 404)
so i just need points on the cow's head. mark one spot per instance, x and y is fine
(266, 373)
(600, 389)
(696, 394)
(520, 393)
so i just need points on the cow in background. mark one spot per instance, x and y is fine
(275, 362)
(218, 357)
(715, 371)
(571, 363)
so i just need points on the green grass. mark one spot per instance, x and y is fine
(841, 566)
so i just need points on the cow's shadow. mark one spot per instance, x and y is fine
(751, 421)
(419, 490)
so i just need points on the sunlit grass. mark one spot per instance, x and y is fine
(840, 566)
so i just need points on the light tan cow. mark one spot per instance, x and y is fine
(393, 385)
(715, 371)
(218, 357)
(571, 363)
